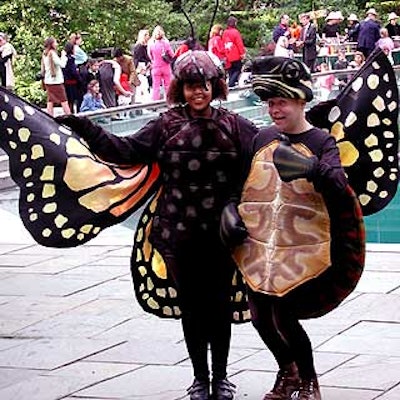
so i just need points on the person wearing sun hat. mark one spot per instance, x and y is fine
(393, 26)
(353, 28)
(369, 33)
(197, 147)
(296, 162)
(331, 29)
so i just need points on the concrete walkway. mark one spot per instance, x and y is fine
(70, 328)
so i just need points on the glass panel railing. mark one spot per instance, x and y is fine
(124, 120)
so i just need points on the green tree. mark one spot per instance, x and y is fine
(115, 23)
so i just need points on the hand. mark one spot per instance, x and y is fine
(82, 126)
(232, 229)
(291, 164)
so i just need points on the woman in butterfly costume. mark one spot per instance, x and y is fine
(68, 193)
(297, 233)
(197, 148)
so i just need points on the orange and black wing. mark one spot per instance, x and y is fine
(67, 194)
(155, 289)
(364, 120)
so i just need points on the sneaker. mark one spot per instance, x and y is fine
(200, 390)
(287, 382)
(308, 390)
(222, 389)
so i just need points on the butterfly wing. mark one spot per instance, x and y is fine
(364, 120)
(67, 194)
(154, 288)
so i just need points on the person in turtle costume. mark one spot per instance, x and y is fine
(297, 233)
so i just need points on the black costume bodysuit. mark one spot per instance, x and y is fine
(200, 163)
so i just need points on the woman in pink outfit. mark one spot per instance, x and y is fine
(160, 69)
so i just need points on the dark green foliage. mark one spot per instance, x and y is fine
(115, 23)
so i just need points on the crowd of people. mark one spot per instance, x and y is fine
(146, 73)
(68, 74)
(80, 83)
(364, 35)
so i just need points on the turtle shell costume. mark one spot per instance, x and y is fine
(68, 194)
(306, 244)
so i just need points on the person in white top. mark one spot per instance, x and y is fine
(51, 69)
(143, 90)
(282, 47)
(386, 43)
(7, 56)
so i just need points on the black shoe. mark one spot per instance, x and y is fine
(200, 390)
(222, 389)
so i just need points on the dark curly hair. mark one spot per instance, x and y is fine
(175, 92)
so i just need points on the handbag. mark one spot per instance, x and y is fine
(166, 57)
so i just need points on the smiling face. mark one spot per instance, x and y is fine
(198, 97)
(288, 114)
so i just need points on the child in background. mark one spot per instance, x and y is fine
(386, 44)
(358, 61)
(340, 64)
(282, 47)
(92, 100)
(143, 90)
(325, 82)
(124, 100)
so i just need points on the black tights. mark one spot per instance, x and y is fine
(203, 271)
(282, 332)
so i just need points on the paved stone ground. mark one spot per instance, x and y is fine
(70, 328)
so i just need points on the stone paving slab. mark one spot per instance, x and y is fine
(360, 340)
(365, 372)
(150, 382)
(48, 354)
(71, 328)
(40, 388)
(393, 394)
(44, 285)
(11, 376)
(378, 282)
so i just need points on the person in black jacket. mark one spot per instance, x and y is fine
(393, 26)
(369, 33)
(90, 72)
(3, 61)
(140, 54)
(353, 29)
(72, 79)
(308, 41)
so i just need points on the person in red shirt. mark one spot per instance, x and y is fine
(234, 50)
(190, 43)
